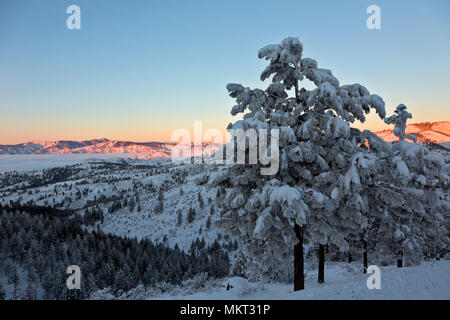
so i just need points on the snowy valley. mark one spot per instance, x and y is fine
(309, 201)
(152, 199)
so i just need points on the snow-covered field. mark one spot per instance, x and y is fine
(343, 281)
(430, 280)
(27, 162)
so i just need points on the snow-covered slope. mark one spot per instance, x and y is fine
(104, 180)
(430, 280)
(343, 281)
(154, 226)
(437, 132)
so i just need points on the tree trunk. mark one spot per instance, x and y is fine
(299, 277)
(297, 99)
(400, 259)
(321, 275)
(365, 257)
(350, 259)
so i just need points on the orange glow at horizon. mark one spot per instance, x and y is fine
(129, 132)
(13, 131)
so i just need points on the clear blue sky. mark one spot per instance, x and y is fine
(139, 69)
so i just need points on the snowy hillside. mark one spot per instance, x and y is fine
(133, 203)
(105, 182)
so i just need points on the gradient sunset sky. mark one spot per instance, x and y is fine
(137, 70)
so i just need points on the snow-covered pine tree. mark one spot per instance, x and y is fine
(308, 195)
(208, 223)
(239, 265)
(399, 120)
(31, 292)
(191, 215)
(2, 292)
(179, 218)
(405, 189)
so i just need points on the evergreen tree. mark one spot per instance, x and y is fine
(239, 267)
(305, 198)
(399, 120)
(160, 204)
(200, 199)
(2, 293)
(410, 206)
(179, 218)
(14, 278)
(208, 223)
(30, 293)
(131, 204)
(161, 195)
(191, 215)
(17, 294)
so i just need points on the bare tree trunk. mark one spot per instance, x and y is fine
(299, 276)
(365, 256)
(400, 259)
(299, 273)
(321, 275)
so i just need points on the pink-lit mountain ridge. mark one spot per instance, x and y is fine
(437, 132)
(98, 146)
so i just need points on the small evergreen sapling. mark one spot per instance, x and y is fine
(399, 120)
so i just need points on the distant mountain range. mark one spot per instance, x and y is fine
(437, 132)
(96, 146)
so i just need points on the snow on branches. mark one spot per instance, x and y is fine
(334, 181)
(399, 120)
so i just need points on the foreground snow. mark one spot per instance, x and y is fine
(29, 162)
(430, 280)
